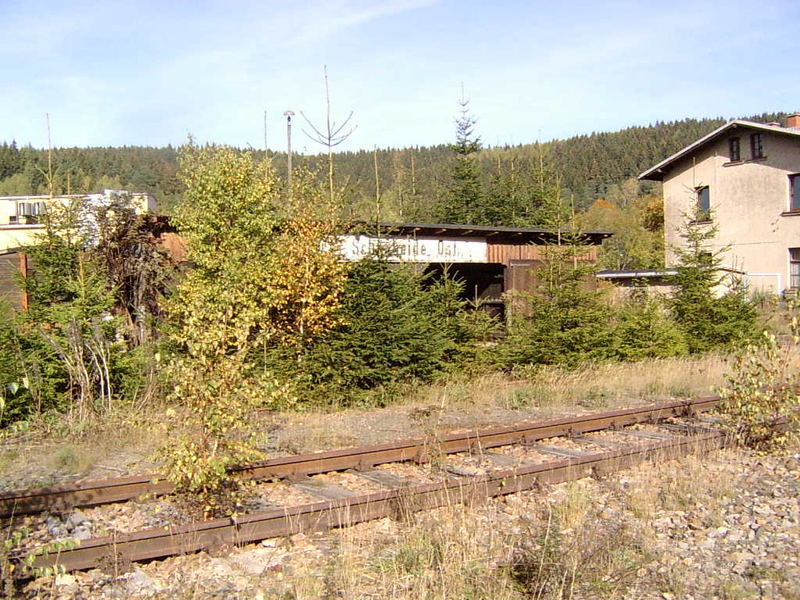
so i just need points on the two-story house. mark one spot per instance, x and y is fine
(744, 179)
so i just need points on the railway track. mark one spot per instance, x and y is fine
(119, 489)
(470, 466)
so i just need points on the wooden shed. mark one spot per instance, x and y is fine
(490, 260)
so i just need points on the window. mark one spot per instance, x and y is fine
(794, 268)
(756, 146)
(735, 149)
(27, 212)
(794, 192)
(703, 203)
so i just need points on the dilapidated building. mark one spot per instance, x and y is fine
(489, 260)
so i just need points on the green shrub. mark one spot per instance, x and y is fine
(15, 399)
(644, 329)
(396, 327)
(564, 321)
(761, 390)
(708, 319)
(82, 347)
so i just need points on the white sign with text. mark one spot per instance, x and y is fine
(413, 249)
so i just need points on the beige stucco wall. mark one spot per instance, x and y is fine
(14, 236)
(747, 199)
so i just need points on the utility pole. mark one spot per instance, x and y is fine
(49, 156)
(265, 131)
(289, 114)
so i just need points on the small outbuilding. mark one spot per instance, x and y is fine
(490, 260)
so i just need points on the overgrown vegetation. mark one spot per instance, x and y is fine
(79, 348)
(262, 277)
(564, 321)
(396, 326)
(761, 395)
(266, 314)
(711, 306)
(644, 328)
(263, 302)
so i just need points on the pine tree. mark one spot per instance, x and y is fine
(465, 197)
(565, 319)
(707, 318)
(10, 160)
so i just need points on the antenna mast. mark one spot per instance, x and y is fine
(49, 156)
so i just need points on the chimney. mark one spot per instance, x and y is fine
(793, 121)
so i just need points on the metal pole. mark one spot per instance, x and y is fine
(289, 114)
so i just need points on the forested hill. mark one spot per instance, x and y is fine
(412, 184)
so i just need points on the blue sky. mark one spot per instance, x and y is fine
(113, 73)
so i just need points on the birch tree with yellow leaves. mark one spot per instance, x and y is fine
(262, 272)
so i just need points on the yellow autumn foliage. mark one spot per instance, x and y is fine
(262, 271)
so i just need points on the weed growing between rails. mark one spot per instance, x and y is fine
(761, 391)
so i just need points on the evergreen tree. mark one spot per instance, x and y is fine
(397, 326)
(707, 318)
(465, 198)
(10, 160)
(565, 319)
(520, 189)
(644, 329)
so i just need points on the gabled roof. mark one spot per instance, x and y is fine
(657, 172)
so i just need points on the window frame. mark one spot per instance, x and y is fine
(756, 146)
(794, 193)
(702, 196)
(735, 149)
(794, 268)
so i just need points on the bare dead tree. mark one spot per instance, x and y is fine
(331, 135)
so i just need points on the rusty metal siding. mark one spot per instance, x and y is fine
(504, 253)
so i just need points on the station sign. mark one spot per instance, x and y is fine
(415, 249)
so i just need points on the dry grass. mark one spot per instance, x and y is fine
(103, 448)
(124, 441)
(581, 539)
(473, 401)
(448, 554)
(585, 539)
(522, 549)
(670, 486)
(590, 386)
